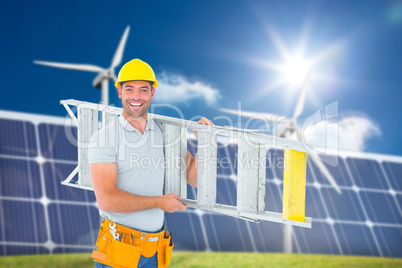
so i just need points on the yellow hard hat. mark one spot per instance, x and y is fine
(136, 69)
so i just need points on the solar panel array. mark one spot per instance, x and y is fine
(39, 215)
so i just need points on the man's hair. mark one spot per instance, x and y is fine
(150, 82)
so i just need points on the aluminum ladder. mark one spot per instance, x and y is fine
(251, 169)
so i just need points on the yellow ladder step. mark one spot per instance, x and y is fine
(294, 185)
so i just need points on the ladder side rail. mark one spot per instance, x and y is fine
(264, 216)
(224, 131)
(93, 106)
(276, 141)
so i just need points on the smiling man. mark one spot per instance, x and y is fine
(130, 197)
(137, 97)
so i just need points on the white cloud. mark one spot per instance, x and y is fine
(355, 131)
(175, 88)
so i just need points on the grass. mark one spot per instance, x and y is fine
(211, 259)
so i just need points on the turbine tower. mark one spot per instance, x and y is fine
(101, 81)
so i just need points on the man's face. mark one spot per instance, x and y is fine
(136, 97)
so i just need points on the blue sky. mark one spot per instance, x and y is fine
(212, 54)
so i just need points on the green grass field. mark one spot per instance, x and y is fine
(211, 259)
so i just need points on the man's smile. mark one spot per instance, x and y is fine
(136, 104)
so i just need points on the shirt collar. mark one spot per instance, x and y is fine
(128, 127)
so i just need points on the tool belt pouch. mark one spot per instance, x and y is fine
(165, 250)
(115, 253)
(123, 255)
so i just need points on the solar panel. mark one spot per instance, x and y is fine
(267, 236)
(398, 200)
(224, 167)
(340, 172)
(393, 170)
(319, 239)
(314, 207)
(185, 229)
(273, 196)
(56, 172)
(28, 230)
(20, 178)
(75, 225)
(226, 191)
(38, 215)
(367, 173)
(17, 138)
(342, 207)
(381, 207)
(389, 240)
(351, 236)
(225, 233)
(276, 158)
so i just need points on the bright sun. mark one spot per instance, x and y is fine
(295, 67)
(294, 71)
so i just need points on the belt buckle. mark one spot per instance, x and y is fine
(143, 235)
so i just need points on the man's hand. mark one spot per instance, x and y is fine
(202, 121)
(171, 203)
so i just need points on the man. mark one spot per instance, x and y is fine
(130, 197)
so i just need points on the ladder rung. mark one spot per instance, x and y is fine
(183, 163)
(206, 169)
(87, 126)
(173, 149)
(262, 168)
(247, 176)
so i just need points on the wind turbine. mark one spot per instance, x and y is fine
(289, 127)
(104, 75)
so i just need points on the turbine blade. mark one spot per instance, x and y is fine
(118, 55)
(302, 97)
(321, 167)
(326, 173)
(78, 67)
(281, 131)
(262, 116)
(298, 132)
